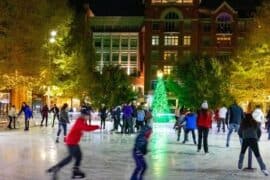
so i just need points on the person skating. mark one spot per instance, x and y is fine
(63, 121)
(103, 116)
(127, 118)
(27, 115)
(234, 117)
(139, 151)
(250, 133)
(72, 143)
(190, 120)
(12, 117)
(222, 113)
(55, 111)
(140, 118)
(180, 123)
(204, 123)
(44, 113)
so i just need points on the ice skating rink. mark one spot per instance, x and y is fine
(106, 156)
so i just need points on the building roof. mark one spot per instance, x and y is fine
(117, 7)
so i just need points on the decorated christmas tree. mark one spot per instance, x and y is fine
(160, 103)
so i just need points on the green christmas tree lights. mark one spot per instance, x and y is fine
(160, 103)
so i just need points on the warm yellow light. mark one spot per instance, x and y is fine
(52, 40)
(159, 74)
(53, 33)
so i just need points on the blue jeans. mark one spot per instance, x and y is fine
(64, 126)
(140, 166)
(232, 126)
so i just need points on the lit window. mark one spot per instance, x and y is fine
(187, 41)
(173, 1)
(170, 40)
(155, 40)
(224, 41)
(167, 70)
(170, 55)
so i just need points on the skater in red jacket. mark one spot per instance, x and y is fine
(72, 142)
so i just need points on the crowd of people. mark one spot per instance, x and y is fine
(130, 118)
(248, 125)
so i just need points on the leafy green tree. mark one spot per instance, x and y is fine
(112, 87)
(251, 65)
(198, 79)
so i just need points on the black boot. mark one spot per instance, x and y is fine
(54, 170)
(77, 173)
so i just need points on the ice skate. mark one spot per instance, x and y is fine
(77, 174)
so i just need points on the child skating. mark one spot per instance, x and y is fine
(74, 151)
(139, 151)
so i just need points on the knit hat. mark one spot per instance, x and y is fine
(204, 105)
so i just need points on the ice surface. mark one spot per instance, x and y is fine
(106, 156)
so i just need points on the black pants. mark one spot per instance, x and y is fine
(103, 122)
(74, 151)
(179, 130)
(55, 115)
(12, 119)
(127, 125)
(203, 135)
(139, 125)
(253, 144)
(60, 126)
(44, 117)
(26, 124)
(221, 121)
(193, 135)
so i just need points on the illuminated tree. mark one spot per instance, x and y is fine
(160, 102)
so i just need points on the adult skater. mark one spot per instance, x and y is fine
(204, 123)
(12, 117)
(44, 113)
(180, 123)
(234, 118)
(72, 142)
(27, 115)
(250, 133)
(139, 151)
(55, 111)
(222, 113)
(63, 121)
(103, 116)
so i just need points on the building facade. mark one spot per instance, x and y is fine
(163, 32)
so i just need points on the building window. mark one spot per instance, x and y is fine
(155, 26)
(170, 55)
(124, 58)
(115, 57)
(187, 26)
(224, 21)
(106, 57)
(155, 40)
(98, 56)
(187, 41)
(106, 42)
(133, 43)
(171, 40)
(206, 27)
(124, 43)
(206, 41)
(167, 70)
(133, 58)
(171, 22)
(155, 55)
(224, 41)
(98, 42)
(115, 43)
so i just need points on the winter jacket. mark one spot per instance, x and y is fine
(204, 120)
(64, 116)
(140, 115)
(12, 112)
(250, 133)
(55, 110)
(141, 141)
(127, 112)
(190, 120)
(235, 114)
(27, 112)
(103, 112)
(45, 111)
(222, 112)
(258, 115)
(76, 132)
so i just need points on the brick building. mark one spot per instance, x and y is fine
(144, 36)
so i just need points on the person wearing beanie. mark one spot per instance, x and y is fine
(234, 117)
(72, 143)
(139, 151)
(250, 133)
(204, 123)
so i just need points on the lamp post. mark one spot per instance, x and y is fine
(52, 40)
